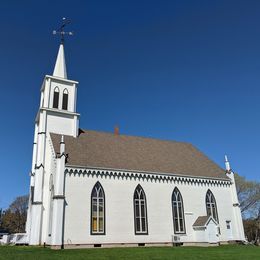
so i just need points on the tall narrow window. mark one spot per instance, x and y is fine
(211, 205)
(56, 95)
(178, 212)
(97, 210)
(65, 97)
(140, 211)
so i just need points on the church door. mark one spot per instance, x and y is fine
(212, 232)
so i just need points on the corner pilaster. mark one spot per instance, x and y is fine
(59, 199)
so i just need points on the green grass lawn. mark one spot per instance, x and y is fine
(219, 253)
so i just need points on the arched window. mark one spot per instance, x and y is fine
(97, 210)
(211, 205)
(56, 95)
(140, 211)
(65, 98)
(178, 212)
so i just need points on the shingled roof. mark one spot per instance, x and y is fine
(202, 221)
(132, 153)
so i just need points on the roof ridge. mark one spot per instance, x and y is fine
(138, 136)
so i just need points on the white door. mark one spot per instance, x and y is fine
(212, 232)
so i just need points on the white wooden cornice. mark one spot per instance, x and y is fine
(153, 177)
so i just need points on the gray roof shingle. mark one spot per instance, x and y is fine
(200, 221)
(122, 152)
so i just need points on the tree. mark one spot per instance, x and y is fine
(14, 217)
(252, 229)
(1, 217)
(248, 193)
(249, 197)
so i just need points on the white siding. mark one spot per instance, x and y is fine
(120, 212)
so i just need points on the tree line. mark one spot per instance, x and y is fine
(13, 219)
(249, 198)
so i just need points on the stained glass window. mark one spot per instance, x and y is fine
(98, 210)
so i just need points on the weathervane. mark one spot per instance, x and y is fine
(61, 29)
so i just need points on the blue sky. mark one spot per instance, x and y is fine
(177, 70)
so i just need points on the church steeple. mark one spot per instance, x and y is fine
(60, 69)
(57, 114)
(59, 95)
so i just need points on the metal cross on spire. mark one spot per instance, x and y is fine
(61, 29)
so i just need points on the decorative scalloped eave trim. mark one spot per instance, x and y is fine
(144, 176)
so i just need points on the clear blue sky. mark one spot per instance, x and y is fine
(178, 70)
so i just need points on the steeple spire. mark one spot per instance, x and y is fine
(60, 65)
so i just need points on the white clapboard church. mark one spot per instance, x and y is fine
(96, 189)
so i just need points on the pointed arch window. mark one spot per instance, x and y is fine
(56, 95)
(97, 210)
(178, 212)
(140, 211)
(211, 205)
(65, 98)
